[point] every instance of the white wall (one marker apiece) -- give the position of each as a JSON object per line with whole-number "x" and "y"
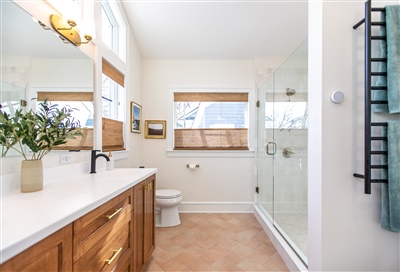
{"x": 133, "y": 141}
{"x": 344, "y": 223}
{"x": 221, "y": 183}
{"x": 46, "y": 72}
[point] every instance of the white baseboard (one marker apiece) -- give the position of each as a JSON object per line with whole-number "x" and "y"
{"x": 215, "y": 207}
{"x": 289, "y": 257}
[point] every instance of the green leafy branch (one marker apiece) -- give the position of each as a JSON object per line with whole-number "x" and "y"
{"x": 40, "y": 131}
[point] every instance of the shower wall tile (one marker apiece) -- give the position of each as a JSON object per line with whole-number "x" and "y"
{"x": 290, "y": 181}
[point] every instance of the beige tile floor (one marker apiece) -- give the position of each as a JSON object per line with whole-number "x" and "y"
{"x": 215, "y": 242}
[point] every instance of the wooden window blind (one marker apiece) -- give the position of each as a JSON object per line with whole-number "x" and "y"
{"x": 79, "y": 143}
{"x": 211, "y": 97}
{"x": 112, "y": 131}
{"x": 111, "y": 137}
{"x": 210, "y": 138}
{"x": 113, "y": 73}
{"x": 65, "y": 96}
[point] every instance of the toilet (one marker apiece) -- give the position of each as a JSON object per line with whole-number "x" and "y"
{"x": 167, "y": 202}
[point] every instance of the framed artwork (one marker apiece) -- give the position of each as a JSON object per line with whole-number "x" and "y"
{"x": 155, "y": 129}
{"x": 136, "y": 117}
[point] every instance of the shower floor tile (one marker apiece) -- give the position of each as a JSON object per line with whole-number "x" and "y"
{"x": 215, "y": 242}
{"x": 295, "y": 226}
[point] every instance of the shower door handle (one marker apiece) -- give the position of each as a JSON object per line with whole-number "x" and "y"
{"x": 267, "y": 148}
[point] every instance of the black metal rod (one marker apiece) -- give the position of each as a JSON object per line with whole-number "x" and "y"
{"x": 379, "y": 181}
{"x": 378, "y": 9}
{"x": 378, "y": 124}
{"x": 378, "y": 23}
{"x": 358, "y": 24}
{"x": 378, "y": 73}
{"x": 379, "y": 59}
{"x": 378, "y": 87}
{"x": 383, "y": 38}
{"x": 379, "y": 166}
{"x": 379, "y": 102}
{"x": 378, "y": 139}
{"x": 379, "y": 152}
{"x": 358, "y": 175}
{"x": 367, "y": 99}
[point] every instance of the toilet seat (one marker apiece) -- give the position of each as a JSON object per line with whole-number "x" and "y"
{"x": 167, "y": 194}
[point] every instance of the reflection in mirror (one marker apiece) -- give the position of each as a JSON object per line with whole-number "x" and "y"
{"x": 12, "y": 97}
{"x": 33, "y": 59}
{"x": 83, "y": 112}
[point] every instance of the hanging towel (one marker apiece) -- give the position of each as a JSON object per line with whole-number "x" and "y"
{"x": 381, "y": 80}
{"x": 390, "y": 49}
{"x": 393, "y": 54}
{"x": 390, "y": 215}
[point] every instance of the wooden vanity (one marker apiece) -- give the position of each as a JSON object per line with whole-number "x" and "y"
{"x": 118, "y": 235}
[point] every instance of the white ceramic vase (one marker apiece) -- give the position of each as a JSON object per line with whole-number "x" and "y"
{"x": 31, "y": 176}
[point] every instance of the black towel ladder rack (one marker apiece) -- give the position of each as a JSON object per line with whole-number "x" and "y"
{"x": 368, "y": 102}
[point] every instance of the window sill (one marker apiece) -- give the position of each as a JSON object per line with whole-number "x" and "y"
{"x": 211, "y": 153}
{"x": 119, "y": 155}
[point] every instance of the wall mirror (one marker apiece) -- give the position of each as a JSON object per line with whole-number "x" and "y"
{"x": 34, "y": 60}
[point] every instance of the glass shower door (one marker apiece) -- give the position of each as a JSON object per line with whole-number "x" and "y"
{"x": 282, "y": 152}
{"x": 264, "y": 161}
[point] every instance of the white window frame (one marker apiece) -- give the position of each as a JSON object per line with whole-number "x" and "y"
{"x": 210, "y": 153}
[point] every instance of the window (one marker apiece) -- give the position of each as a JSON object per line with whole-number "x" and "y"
{"x": 11, "y": 98}
{"x": 113, "y": 28}
{"x": 286, "y": 115}
{"x": 112, "y": 90}
{"x": 109, "y": 96}
{"x": 107, "y": 29}
{"x": 210, "y": 121}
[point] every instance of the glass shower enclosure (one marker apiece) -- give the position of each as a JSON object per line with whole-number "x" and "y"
{"x": 282, "y": 150}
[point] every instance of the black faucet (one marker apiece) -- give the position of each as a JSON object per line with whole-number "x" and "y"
{"x": 93, "y": 160}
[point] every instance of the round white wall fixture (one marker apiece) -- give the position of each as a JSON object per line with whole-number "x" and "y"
{"x": 337, "y": 97}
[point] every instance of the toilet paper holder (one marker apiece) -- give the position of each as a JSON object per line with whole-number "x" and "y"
{"x": 192, "y": 166}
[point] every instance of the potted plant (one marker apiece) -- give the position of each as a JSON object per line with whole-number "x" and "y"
{"x": 39, "y": 131}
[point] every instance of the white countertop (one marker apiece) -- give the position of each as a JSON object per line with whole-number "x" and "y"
{"x": 27, "y": 218}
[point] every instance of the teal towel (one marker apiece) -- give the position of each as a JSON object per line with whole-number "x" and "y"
{"x": 390, "y": 215}
{"x": 390, "y": 49}
{"x": 393, "y": 52}
{"x": 381, "y": 80}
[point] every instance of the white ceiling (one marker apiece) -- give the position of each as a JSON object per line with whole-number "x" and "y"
{"x": 217, "y": 29}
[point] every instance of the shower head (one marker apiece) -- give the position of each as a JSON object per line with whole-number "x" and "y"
{"x": 290, "y": 92}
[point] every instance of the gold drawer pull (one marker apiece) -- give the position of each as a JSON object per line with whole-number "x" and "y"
{"x": 148, "y": 187}
{"x": 114, "y": 214}
{"x": 116, "y": 252}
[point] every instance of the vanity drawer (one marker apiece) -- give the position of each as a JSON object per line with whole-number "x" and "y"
{"x": 92, "y": 227}
{"x": 111, "y": 250}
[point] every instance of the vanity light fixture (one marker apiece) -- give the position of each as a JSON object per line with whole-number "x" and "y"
{"x": 67, "y": 30}
{"x": 45, "y": 27}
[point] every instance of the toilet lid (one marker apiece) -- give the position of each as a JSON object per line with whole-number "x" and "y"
{"x": 167, "y": 193}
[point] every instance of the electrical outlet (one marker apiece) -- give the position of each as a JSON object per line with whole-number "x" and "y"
{"x": 65, "y": 158}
